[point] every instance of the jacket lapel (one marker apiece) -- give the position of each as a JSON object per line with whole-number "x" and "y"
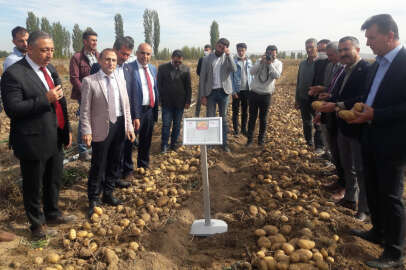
{"x": 34, "y": 77}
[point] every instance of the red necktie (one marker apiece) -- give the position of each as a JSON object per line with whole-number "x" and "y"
{"x": 57, "y": 105}
{"x": 151, "y": 94}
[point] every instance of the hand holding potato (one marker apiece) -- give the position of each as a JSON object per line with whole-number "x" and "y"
{"x": 363, "y": 117}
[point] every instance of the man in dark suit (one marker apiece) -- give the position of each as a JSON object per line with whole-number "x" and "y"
{"x": 348, "y": 87}
{"x": 383, "y": 140}
{"x": 175, "y": 89}
{"x": 144, "y": 101}
{"x": 34, "y": 101}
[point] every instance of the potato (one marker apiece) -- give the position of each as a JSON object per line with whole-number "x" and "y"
{"x": 286, "y": 229}
{"x": 93, "y": 247}
{"x": 322, "y": 265}
{"x": 261, "y": 264}
{"x": 288, "y": 248}
{"x": 347, "y": 115}
{"x": 72, "y": 234}
{"x": 282, "y": 266}
{"x": 324, "y": 215}
{"x": 102, "y": 232}
{"x": 87, "y": 226}
{"x": 317, "y": 256}
{"x": 66, "y": 243}
{"x": 110, "y": 256}
{"x": 253, "y": 210}
{"x": 278, "y": 238}
{"x": 162, "y": 201}
{"x": 53, "y": 258}
{"x": 302, "y": 266}
{"x": 261, "y": 254}
{"x": 336, "y": 237}
{"x": 98, "y": 210}
{"x": 284, "y": 219}
{"x": 134, "y": 246}
{"x": 358, "y": 107}
{"x": 69, "y": 267}
{"x": 124, "y": 222}
{"x": 82, "y": 234}
{"x": 264, "y": 242}
{"x": 85, "y": 253}
{"x": 301, "y": 255}
{"x": 317, "y": 104}
{"x": 306, "y": 244}
{"x": 270, "y": 262}
{"x": 260, "y": 232}
{"x": 270, "y": 229}
{"x": 95, "y": 218}
{"x": 330, "y": 259}
{"x": 38, "y": 260}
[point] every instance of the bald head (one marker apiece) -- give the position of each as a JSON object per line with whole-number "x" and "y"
{"x": 144, "y": 53}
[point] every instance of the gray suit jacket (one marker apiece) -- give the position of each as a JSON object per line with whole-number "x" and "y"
{"x": 206, "y": 74}
{"x": 94, "y": 109}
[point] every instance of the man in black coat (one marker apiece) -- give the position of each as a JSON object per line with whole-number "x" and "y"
{"x": 33, "y": 99}
{"x": 383, "y": 140}
{"x": 175, "y": 90}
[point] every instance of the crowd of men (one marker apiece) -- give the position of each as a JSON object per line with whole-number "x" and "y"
{"x": 119, "y": 99}
{"x": 368, "y": 150}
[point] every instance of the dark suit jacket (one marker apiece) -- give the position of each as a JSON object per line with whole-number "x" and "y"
{"x": 34, "y": 134}
{"x": 135, "y": 94}
{"x": 319, "y": 71}
{"x": 386, "y": 134}
{"x": 199, "y": 66}
{"x": 175, "y": 88}
{"x": 353, "y": 89}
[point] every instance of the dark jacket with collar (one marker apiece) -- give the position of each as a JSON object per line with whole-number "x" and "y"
{"x": 387, "y": 132}
{"x": 135, "y": 92}
{"x": 174, "y": 86}
{"x": 34, "y": 134}
{"x": 79, "y": 67}
{"x": 353, "y": 89}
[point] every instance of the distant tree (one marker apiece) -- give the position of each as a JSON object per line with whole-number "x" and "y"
{"x": 282, "y": 55}
{"x": 148, "y": 26}
{"x": 77, "y": 42}
{"x": 292, "y": 55}
{"x": 300, "y": 55}
{"x": 118, "y": 25}
{"x": 32, "y": 22}
{"x": 46, "y": 26}
{"x": 164, "y": 54}
{"x": 157, "y": 32}
{"x": 58, "y": 35}
{"x": 4, "y": 54}
{"x": 214, "y": 33}
{"x": 67, "y": 40}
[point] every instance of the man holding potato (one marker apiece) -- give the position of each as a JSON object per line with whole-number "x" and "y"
{"x": 383, "y": 140}
{"x": 348, "y": 87}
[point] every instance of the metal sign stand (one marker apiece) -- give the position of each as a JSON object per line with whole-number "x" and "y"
{"x": 206, "y": 226}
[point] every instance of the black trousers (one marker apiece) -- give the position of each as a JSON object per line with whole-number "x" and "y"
{"x": 105, "y": 164}
{"x": 242, "y": 99}
{"x": 384, "y": 186}
{"x": 45, "y": 176}
{"x": 145, "y": 136}
{"x": 127, "y": 164}
{"x": 258, "y": 103}
{"x": 307, "y": 113}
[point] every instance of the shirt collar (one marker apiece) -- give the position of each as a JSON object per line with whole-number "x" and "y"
{"x": 17, "y": 52}
{"x": 390, "y": 55}
{"x": 111, "y": 76}
{"x": 139, "y": 64}
{"x": 32, "y": 63}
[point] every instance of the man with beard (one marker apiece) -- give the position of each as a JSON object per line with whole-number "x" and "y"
{"x": 20, "y": 37}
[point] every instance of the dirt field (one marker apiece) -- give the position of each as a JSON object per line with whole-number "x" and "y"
{"x": 279, "y": 185}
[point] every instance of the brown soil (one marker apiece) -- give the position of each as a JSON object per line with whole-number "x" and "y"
{"x": 236, "y": 182}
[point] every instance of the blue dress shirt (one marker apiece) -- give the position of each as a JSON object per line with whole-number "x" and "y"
{"x": 15, "y": 56}
{"x": 384, "y": 64}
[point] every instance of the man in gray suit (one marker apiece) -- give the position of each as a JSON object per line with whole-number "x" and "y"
{"x": 215, "y": 83}
{"x": 105, "y": 122}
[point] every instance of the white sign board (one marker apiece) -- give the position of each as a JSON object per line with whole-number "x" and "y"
{"x": 202, "y": 131}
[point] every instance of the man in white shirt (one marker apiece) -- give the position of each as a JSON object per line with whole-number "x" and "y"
{"x": 105, "y": 122}
{"x": 144, "y": 101}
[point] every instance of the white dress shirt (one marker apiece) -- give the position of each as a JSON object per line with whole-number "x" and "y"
{"x": 40, "y": 74}
{"x": 114, "y": 84}
{"x": 144, "y": 84}
{"x": 216, "y": 73}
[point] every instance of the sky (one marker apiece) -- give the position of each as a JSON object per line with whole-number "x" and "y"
{"x": 258, "y": 23}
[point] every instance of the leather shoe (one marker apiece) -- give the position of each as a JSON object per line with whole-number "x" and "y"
{"x": 347, "y": 204}
{"x": 249, "y": 142}
{"x": 41, "y": 232}
{"x": 164, "y": 149}
{"x": 61, "y": 220}
{"x": 339, "y": 195}
{"x": 385, "y": 262}
{"x": 260, "y": 142}
{"x": 361, "y": 216}
{"x": 85, "y": 156}
{"x": 370, "y": 236}
{"x": 226, "y": 148}
{"x": 6, "y": 236}
{"x": 122, "y": 184}
{"x": 174, "y": 147}
{"x": 332, "y": 186}
{"x": 111, "y": 200}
